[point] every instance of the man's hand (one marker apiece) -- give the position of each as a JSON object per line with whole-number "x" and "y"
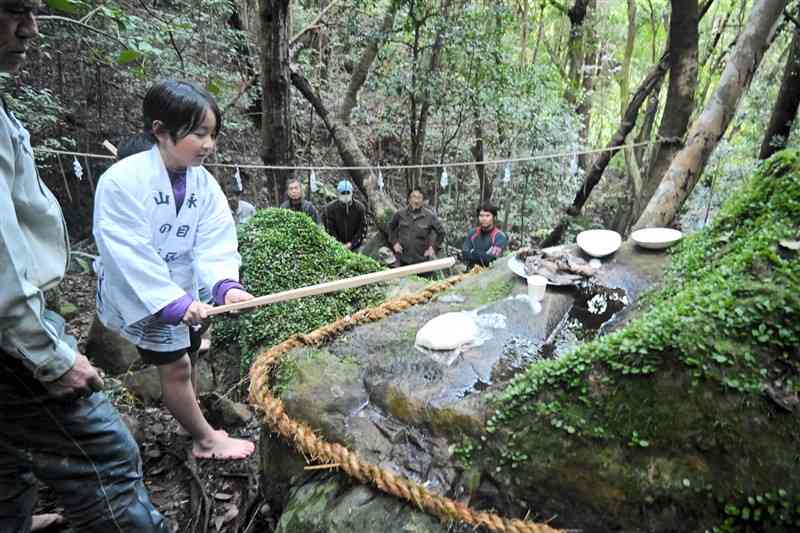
{"x": 197, "y": 312}
{"x": 429, "y": 252}
{"x": 80, "y": 381}
{"x": 398, "y": 248}
{"x": 348, "y": 245}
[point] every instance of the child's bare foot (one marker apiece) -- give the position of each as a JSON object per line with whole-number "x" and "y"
{"x": 45, "y": 521}
{"x": 221, "y": 446}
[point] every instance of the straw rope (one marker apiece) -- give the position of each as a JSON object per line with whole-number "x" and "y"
{"x": 310, "y": 445}
{"x": 488, "y": 162}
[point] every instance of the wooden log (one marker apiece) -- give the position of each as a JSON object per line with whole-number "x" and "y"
{"x": 338, "y": 285}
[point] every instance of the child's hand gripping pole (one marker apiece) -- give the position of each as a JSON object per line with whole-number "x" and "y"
{"x": 338, "y": 285}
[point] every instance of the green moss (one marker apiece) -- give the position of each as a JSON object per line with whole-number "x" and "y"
{"x": 289, "y": 367}
{"x": 448, "y": 421}
{"x": 312, "y": 367}
{"x": 774, "y": 510}
{"x": 490, "y": 288}
{"x": 284, "y": 250}
{"x": 401, "y": 406}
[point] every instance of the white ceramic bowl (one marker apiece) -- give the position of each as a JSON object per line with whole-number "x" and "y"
{"x": 656, "y": 238}
{"x": 599, "y": 242}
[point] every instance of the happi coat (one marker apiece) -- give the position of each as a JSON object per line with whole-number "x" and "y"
{"x": 150, "y": 255}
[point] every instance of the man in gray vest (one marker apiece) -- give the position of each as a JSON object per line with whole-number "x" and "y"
{"x": 295, "y": 201}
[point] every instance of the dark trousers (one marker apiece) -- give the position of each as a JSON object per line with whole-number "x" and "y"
{"x": 80, "y": 448}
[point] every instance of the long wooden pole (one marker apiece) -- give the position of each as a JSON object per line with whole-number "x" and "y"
{"x": 338, "y": 285}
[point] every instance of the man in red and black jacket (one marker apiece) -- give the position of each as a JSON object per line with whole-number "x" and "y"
{"x": 485, "y": 243}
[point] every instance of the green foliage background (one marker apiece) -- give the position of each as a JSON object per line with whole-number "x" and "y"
{"x": 283, "y": 250}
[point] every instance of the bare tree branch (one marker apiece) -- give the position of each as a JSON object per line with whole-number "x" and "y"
{"x": 56, "y": 18}
{"x": 314, "y": 24}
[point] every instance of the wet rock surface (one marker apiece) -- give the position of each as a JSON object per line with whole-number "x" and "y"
{"x": 405, "y": 408}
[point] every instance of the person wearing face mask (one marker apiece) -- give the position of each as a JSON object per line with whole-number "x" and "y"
{"x": 346, "y": 218}
{"x": 484, "y": 244}
{"x": 295, "y": 201}
{"x": 415, "y": 233}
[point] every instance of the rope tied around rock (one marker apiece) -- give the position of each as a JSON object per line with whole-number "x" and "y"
{"x": 309, "y": 444}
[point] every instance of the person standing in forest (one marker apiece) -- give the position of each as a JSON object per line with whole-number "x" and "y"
{"x": 415, "y": 233}
{"x": 241, "y": 210}
{"x": 485, "y": 243}
{"x": 346, "y": 218}
{"x": 165, "y": 233}
{"x": 295, "y": 201}
{"x": 133, "y": 145}
{"x": 55, "y": 424}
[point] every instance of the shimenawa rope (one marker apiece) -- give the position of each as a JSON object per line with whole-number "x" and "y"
{"x": 305, "y": 440}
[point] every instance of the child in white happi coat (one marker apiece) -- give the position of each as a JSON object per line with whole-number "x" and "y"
{"x": 164, "y": 232}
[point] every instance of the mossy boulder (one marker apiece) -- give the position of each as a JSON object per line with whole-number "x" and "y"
{"x": 409, "y": 410}
{"x": 687, "y": 418}
{"x": 283, "y": 250}
{"x": 329, "y": 504}
{"x": 684, "y": 418}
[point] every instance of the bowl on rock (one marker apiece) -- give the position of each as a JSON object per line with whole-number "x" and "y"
{"x": 656, "y": 238}
{"x": 599, "y": 242}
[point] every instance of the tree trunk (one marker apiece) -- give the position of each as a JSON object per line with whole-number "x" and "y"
{"x": 276, "y": 131}
{"x": 683, "y": 39}
{"x": 687, "y": 166}
{"x": 422, "y": 101}
{"x": 581, "y": 56}
{"x": 379, "y": 203}
{"x": 646, "y": 129}
{"x": 785, "y": 110}
{"x": 625, "y": 71}
{"x": 347, "y": 145}
{"x": 598, "y": 167}
{"x": 485, "y": 189}
{"x": 362, "y": 69}
{"x": 633, "y": 172}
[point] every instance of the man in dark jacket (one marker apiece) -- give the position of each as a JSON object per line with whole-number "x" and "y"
{"x": 345, "y": 218}
{"x": 415, "y": 233}
{"x": 295, "y": 201}
{"x": 485, "y": 243}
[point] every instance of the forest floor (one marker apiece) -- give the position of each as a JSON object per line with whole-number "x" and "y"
{"x": 206, "y": 496}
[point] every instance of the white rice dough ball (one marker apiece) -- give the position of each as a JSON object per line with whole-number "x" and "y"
{"x": 448, "y": 331}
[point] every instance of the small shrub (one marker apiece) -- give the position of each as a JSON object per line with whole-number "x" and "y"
{"x": 283, "y": 250}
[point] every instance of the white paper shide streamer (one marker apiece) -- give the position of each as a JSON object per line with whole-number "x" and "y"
{"x": 380, "y": 180}
{"x": 507, "y": 174}
{"x": 237, "y": 176}
{"x": 445, "y": 179}
{"x": 77, "y": 168}
{"x": 313, "y": 181}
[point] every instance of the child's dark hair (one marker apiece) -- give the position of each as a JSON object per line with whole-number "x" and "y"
{"x": 180, "y": 106}
{"x": 486, "y": 206}
{"x": 134, "y": 144}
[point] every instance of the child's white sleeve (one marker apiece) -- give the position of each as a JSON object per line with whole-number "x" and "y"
{"x": 216, "y": 249}
{"x": 139, "y": 279}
